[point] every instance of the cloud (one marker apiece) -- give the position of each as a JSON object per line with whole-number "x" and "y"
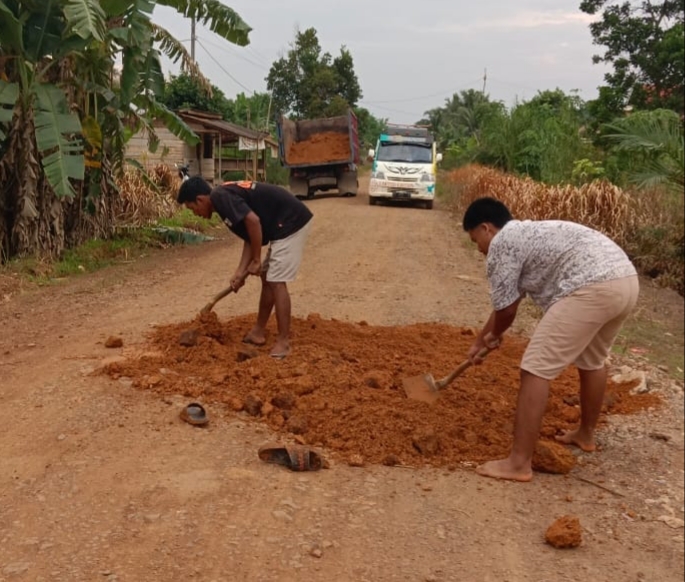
{"x": 523, "y": 20}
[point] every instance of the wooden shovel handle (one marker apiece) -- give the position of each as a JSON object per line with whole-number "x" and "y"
{"x": 220, "y": 295}
{"x": 460, "y": 370}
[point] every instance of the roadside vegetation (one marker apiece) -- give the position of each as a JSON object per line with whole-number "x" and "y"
{"x": 67, "y": 112}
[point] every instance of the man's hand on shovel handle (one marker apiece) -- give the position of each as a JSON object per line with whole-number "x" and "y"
{"x": 490, "y": 341}
{"x": 238, "y": 281}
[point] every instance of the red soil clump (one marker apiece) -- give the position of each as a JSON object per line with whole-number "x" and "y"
{"x": 341, "y": 388}
{"x": 565, "y": 532}
{"x": 320, "y": 149}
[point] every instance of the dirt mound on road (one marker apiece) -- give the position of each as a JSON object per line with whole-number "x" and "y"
{"x": 320, "y": 148}
{"x": 341, "y": 388}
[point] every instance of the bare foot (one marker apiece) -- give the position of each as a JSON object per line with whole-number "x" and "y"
{"x": 503, "y": 469}
{"x": 256, "y": 338}
{"x": 280, "y": 350}
{"x": 575, "y": 437}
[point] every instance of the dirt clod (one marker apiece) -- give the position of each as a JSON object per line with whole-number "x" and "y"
{"x": 245, "y": 354}
{"x": 378, "y": 379}
{"x": 253, "y": 404}
{"x": 284, "y": 401}
{"x": 189, "y": 338}
{"x": 114, "y": 342}
{"x": 355, "y": 461}
{"x": 426, "y": 442}
{"x": 391, "y": 461}
{"x": 297, "y": 424}
{"x": 565, "y": 532}
{"x": 551, "y": 457}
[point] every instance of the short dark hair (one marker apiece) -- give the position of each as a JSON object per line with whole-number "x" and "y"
{"x": 485, "y": 210}
{"x": 192, "y": 188}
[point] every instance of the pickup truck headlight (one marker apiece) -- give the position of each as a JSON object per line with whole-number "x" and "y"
{"x": 378, "y": 175}
{"x": 427, "y": 177}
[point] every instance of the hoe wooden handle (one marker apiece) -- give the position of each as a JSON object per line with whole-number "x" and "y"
{"x": 220, "y": 295}
{"x": 440, "y": 384}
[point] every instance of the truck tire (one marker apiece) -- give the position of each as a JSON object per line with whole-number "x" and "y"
{"x": 373, "y": 201}
{"x": 348, "y": 184}
{"x": 299, "y": 187}
{"x": 428, "y": 205}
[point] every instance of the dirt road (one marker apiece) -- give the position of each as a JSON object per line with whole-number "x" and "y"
{"x": 102, "y": 482}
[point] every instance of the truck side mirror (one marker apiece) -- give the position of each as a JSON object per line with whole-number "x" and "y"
{"x": 438, "y": 158}
{"x": 371, "y": 154}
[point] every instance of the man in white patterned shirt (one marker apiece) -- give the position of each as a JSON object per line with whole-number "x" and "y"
{"x": 587, "y": 287}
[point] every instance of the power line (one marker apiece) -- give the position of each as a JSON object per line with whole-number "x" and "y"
{"x": 211, "y": 56}
{"x": 392, "y": 110}
{"x": 420, "y": 97}
{"x": 234, "y": 53}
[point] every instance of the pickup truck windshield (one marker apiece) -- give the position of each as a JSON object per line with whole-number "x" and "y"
{"x": 407, "y": 153}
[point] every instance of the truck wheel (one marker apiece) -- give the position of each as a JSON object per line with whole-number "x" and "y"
{"x": 428, "y": 205}
{"x": 372, "y": 201}
{"x": 310, "y": 194}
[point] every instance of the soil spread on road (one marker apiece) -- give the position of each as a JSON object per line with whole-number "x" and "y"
{"x": 320, "y": 148}
{"x": 341, "y": 387}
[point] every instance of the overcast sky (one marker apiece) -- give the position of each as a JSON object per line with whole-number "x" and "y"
{"x": 411, "y": 55}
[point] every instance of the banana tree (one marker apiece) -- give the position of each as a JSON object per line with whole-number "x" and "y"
{"x": 59, "y": 92}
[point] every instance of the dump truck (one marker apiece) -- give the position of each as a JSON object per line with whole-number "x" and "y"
{"x": 404, "y": 166}
{"x": 321, "y": 154}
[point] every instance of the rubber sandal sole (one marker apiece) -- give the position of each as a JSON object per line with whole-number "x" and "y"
{"x": 194, "y": 414}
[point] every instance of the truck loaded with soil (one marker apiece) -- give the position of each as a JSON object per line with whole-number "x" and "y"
{"x": 321, "y": 154}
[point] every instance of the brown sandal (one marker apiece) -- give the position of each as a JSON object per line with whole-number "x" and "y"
{"x": 295, "y": 457}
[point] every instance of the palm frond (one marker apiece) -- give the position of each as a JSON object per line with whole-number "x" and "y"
{"x": 175, "y": 50}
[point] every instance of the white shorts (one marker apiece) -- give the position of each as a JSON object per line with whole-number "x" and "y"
{"x": 285, "y": 255}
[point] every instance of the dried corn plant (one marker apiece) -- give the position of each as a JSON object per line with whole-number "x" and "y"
{"x": 599, "y": 205}
{"x": 145, "y": 199}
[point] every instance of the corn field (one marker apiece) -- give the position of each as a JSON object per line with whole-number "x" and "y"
{"x": 642, "y": 223}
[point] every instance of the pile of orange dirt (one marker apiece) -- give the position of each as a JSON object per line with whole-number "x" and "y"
{"x": 320, "y": 149}
{"x": 341, "y": 388}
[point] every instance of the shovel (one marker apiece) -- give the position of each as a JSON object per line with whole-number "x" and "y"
{"x": 426, "y": 389}
{"x": 220, "y": 295}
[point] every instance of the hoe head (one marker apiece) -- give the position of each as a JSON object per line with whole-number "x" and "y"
{"x": 421, "y": 388}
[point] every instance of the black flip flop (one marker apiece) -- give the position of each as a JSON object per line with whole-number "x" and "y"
{"x": 194, "y": 414}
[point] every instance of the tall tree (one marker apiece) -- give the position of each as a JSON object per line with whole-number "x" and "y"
{"x": 307, "y": 83}
{"x": 644, "y": 44}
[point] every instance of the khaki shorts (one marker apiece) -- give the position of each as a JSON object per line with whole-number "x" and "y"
{"x": 285, "y": 255}
{"x": 580, "y": 328}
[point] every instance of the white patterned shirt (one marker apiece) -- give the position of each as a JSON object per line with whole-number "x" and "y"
{"x": 549, "y": 259}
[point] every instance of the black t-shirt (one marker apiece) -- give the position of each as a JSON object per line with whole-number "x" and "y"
{"x": 280, "y": 213}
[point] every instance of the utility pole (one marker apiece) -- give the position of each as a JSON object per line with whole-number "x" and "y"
{"x": 192, "y": 38}
{"x": 268, "y": 112}
{"x": 485, "y": 80}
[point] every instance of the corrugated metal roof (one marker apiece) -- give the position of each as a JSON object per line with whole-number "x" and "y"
{"x": 226, "y": 128}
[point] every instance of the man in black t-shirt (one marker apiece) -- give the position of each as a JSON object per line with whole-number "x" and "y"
{"x": 260, "y": 214}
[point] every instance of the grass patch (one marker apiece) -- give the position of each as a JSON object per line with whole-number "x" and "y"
{"x": 127, "y": 245}
{"x": 186, "y": 219}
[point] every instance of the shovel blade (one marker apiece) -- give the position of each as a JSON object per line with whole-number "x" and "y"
{"x": 421, "y": 388}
